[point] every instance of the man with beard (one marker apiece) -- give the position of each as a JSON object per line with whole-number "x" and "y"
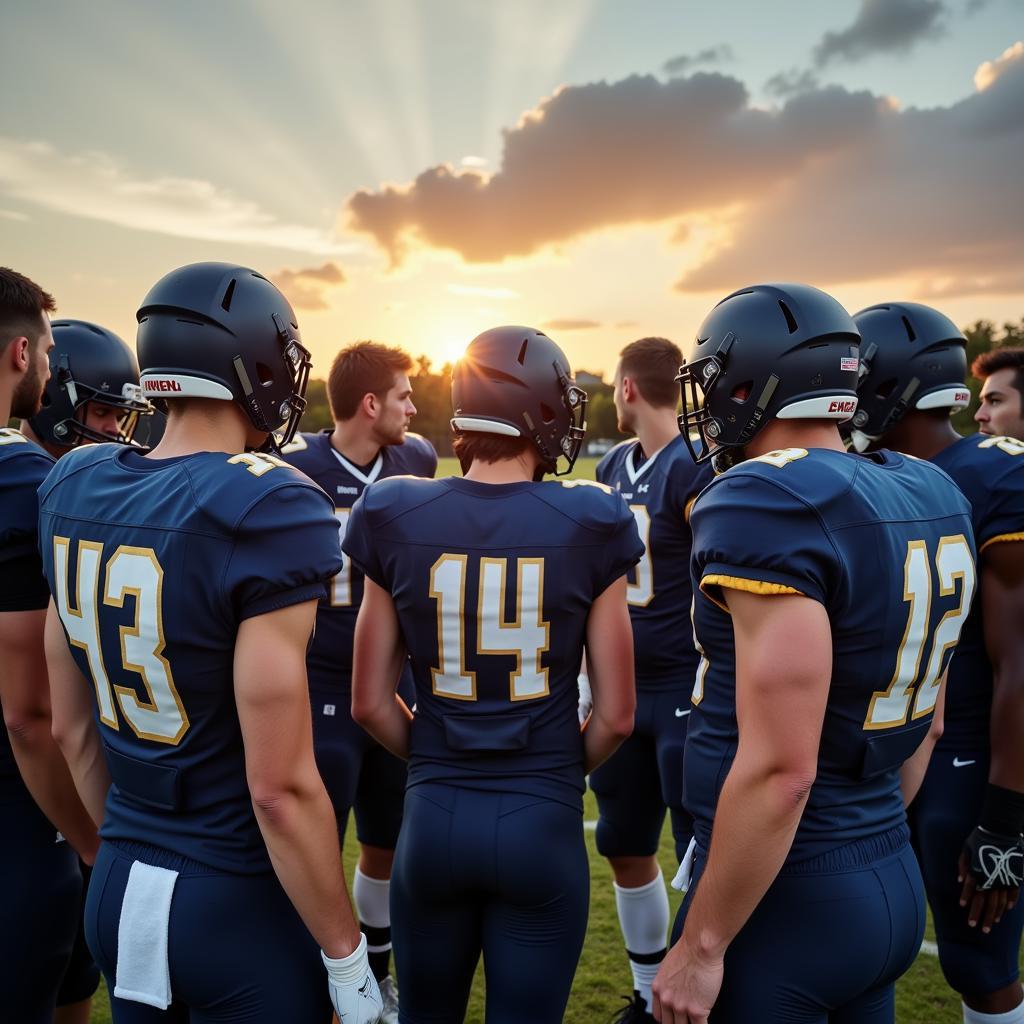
{"x": 37, "y": 796}
{"x": 371, "y": 401}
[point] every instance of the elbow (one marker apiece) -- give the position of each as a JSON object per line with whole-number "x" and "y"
{"x": 27, "y": 728}
{"x": 363, "y": 708}
{"x": 936, "y": 729}
{"x": 791, "y": 784}
{"x": 273, "y": 803}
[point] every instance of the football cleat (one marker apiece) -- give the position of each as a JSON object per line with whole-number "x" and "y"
{"x": 389, "y": 997}
{"x": 634, "y": 1012}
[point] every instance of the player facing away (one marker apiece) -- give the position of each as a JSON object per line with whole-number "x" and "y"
{"x": 185, "y": 584}
{"x": 968, "y": 815}
{"x": 657, "y": 478}
{"x": 830, "y": 589}
{"x": 370, "y": 396}
{"x": 493, "y": 583}
{"x": 42, "y": 883}
{"x": 93, "y": 393}
{"x": 1001, "y": 372}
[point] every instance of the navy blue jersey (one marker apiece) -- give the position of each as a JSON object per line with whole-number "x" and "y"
{"x": 884, "y": 542}
{"x": 153, "y": 564}
{"x": 659, "y": 492}
{"x": 990, "y": 471}
{"x": 23, "y": 467}
{"x": 330, "y": 655}
{"x": 493, "y": 584}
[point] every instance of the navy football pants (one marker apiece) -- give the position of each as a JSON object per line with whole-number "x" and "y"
{"x": 643, "y": 777}
{"x": 357, "y": 771}
{"x": 82, "y": 977}
{"x": 942, "y": 816}
{"x": 238, "y": 951}
{"x": 41, "y": 895}
{"x": 499, "y": 873}
{"x": 828, "y": 941}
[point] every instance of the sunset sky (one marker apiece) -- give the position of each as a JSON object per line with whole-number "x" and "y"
{"x": 416, "y": 171}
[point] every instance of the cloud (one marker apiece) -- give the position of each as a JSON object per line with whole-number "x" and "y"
{"x": 93, "y": 185}
{"x": 988, "y": 72}
{"x": 570, "y": 324}
{"x": 791, "y": 83}
{"x": 882, "y": 26}
{"x": 13, "y": 215}
{"x": 830, "y": 186}
{"x": 487, "y": 293}
{"x": 307, "y": 288}
{"x": 685, "y": 63}
{"x": 474, "y": 161}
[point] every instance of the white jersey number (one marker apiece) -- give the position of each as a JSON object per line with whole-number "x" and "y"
{"x": 953, "y": 561}
{"x": 640, "y": 593}
{"x": 341, "y": 585}
{"x": 130, "y": 572}
{"x": 526, "y": 637}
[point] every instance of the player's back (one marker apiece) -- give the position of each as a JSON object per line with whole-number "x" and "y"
{"x": 330, "y": 654}
{"x": 23, "y": 466}
{"x": 493, "y": 584}
{"x": 154, "y": 564}
{"x": 990, "y": 472}
{"x": 659, "y": 491}
{"x": 884, "y": 542}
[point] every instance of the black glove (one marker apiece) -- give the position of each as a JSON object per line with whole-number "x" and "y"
{"x": 996, "y": 861}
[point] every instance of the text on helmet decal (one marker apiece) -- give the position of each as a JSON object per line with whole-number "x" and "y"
{"x": 842, "y": 405}
{"x": 849, "y": 363}
{"x": 160, "y": 384}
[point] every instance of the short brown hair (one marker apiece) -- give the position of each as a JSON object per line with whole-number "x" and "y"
{"x": 367, "y": 367}
{"x": 475, "y": 446}
{"x": 652, "y": 364}
{"x": 22, "y": 305}
{"x": 997, "y": 359}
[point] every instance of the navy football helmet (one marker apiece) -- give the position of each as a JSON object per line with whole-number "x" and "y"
{"x": 88, "y": 363}
{"x": 773, "y": 351}
{"x": 217, "y": 330}
{"x": 517, "y": 382}
{"x": 911, "y": 357}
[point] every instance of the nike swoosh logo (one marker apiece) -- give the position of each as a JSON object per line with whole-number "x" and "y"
{"x": 680, "y": 713}
{"x": 957, "y": 763}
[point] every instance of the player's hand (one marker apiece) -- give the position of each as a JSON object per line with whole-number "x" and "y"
{"x": 586, "y": 701}
{"x": 687, "y": 986}
{"x": 991, "y": 870}
{"x": 354, "y": 992}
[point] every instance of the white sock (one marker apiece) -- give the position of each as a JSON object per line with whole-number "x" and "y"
{"x": 1014, "y": 1016}
{"x": 643, "y": 918}
{"x": 372, "y": 898}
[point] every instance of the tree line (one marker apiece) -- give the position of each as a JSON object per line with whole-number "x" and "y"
{"x": 432, "y": 392}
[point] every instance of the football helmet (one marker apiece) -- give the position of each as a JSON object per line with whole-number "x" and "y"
{"x": 911, "y": 357}
{"x": 516, "y": 381}
{"x": 88, "y": 363}
{"x": 773, "y": 351}
{"x": 218, "y": 330}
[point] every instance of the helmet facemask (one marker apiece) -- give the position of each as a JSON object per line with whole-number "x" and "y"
{"x": 131, "y": 403}
{"x": 298, "y": 363}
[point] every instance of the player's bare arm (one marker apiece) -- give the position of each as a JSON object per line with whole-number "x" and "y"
{"x": 914, "y": 768}
{"x": 1002, "y": 597}
{"x": 610, "y": 667}
{"x": 25, "y": 694}
{"x": 74, "y": 727}
{"x": 783, "y": 669}
{"x": 291, "y": 805}
{"x": 377, "y": 662}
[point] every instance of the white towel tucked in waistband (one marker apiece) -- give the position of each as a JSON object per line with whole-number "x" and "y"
{"x": 683, "y": 875}
{"x": 143, "y": 974}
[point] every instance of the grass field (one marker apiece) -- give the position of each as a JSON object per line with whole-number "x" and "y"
{"x": 603, "y": 975}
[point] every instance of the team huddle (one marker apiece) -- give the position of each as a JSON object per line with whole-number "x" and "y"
{"x": 788, "y": 617}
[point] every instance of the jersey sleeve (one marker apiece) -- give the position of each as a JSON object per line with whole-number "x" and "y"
{"x": 358, "y": 543}
{"x": 1004, "y": 513}
{"x": 751, "y": 535}
{"x": 286, "y": 550}
{"x": 624, "y": 547}
{"x": 20, "y": 480}
{"x": 22, "y": 584}
{"x": 429, "y": 459}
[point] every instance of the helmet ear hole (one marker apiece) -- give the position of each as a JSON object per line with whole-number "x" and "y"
{"x": 886, "y": 388}
{"x": 741, "y": 392}
{"x": 547, "y": 413}
{"x": 264, "y": 374}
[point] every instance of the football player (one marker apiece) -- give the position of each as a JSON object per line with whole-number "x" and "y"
{"x": 93, "y": 393}
{"x": 493, "y": 583}
{"x": 42, "y": 880}
{"x": 830, "y": 589}
{"x": 970, "y": 807}
{"x": 1001, "y": 371}
{"x": 656, "y": 476}
{"x": 185, "y": 585}
{"x": 371, "y": 401}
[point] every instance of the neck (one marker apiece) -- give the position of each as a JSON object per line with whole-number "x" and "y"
{"x": 215, "y": 427}
{"x": 921, "y": 435}
{"x": 796, "y": 434}
{"x": 353, "y": 439}
{"x": 6, "y": 395}
{"x": 655, "y": 428}
{"x": 506, "y": 471}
